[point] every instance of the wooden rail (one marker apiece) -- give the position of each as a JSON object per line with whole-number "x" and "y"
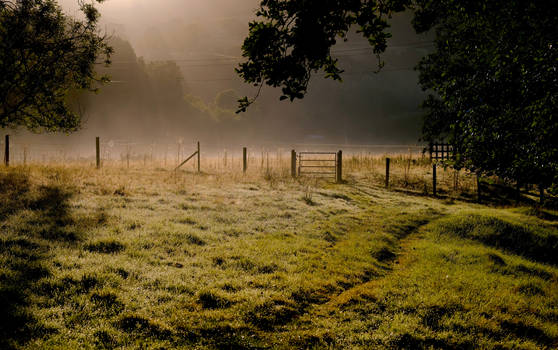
{"x": 317, "y": 164}
{"x": 441, "y": 151}
{"x": 196, "y": 153}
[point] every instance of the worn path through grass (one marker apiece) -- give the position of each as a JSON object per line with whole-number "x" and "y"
{"x": 153, "y": 259}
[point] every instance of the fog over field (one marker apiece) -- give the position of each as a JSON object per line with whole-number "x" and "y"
{"x": 173, "y": 77}
{"x": 140, "y": 210}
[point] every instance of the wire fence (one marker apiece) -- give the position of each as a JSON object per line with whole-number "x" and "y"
{"x": 411, "y": 166}
{"x": 170, "y": 154}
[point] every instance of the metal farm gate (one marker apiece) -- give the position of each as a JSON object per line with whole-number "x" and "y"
{"x": 441, "y": 151}
{"x": 319, "y": 164}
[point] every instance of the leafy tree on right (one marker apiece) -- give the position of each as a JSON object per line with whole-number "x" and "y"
{"x": 492, "y": 77}
{"x": 494, "y": 84}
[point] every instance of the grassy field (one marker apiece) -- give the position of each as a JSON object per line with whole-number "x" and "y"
{"x": 150, "y": 258}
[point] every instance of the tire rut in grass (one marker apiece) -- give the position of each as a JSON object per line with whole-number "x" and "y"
{"x": 537, "y": 243}
{"x": 278, "y": 312}
{"x": 388, "y": 255}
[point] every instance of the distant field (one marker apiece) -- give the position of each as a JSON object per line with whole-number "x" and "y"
{"x": 151, "y": 258}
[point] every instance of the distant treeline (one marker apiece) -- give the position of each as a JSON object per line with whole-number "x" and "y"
{"x": 149, "y": 99}
{"x": 155, "y": 100}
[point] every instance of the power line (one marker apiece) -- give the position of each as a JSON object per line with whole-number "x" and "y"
{"x": 417, "y": 44}
{"x": 230, "y": 64}
{"x": 208, "y": 80}
{"x": 225, "y": 61}
{"x": 369, "y": 73}
{"x": 181, "y": 60}
{"x": 362, "y": 73}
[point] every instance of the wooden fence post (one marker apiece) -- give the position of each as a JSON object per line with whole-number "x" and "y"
{"x": 387, "y": 172}
{"x": 430, "y": 149}
{"x": 541, "y": 195}
{"x": 98, "y": 152}
{"x": 128, "y": 156}
{"x": 434, "y": 190}
{"x": 293, "y": 164}
{"x": 339, "y": 171}
{"x": 479, "y": 192}
{"x": 244, "y": 160}
{"x": 199, "y": 168}
{"x": 7, "y": 151}
{"x": 24, "y": 155}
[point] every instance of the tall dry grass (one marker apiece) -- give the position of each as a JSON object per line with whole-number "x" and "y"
{"x": 408, "y": 171}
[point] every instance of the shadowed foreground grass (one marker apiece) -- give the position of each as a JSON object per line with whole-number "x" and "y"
{"x": 153, "y": 259}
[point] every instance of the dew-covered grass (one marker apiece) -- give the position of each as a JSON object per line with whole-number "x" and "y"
{"x": 151, "y": 258}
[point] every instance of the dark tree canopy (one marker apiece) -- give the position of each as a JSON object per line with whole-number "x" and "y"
{"x": 44, "y": 57}
{"x": 492, "y": 77}
{"x": 494, "y": 84}
{"x": 292, "y": 39}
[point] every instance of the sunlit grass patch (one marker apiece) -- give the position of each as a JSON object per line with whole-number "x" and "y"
{"x": 535, "y": 241}
{"x": 449, "y": 292}
{"x": 141, "y": 257}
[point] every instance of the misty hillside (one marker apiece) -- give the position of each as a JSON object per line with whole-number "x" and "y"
{"x": 411, "y": 204}
{"x": 172, "y": 70}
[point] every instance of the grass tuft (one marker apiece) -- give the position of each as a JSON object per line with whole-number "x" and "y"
{"x": 538, "y": 243}
{"x": 211, "y": 300}
{"x": 105, "y": 247}
{"x": 108, "y": 301}
{"x": 195, "y": 240}
{"x": 272, "y": 313}
{"x": 142, "y": 326}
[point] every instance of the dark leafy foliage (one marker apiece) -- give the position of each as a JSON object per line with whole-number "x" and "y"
{"x": 44, "y": 57}
{"x": 493, "y": 76}
{"x": 292, "y": 39}
{"x": 494, "y": 84}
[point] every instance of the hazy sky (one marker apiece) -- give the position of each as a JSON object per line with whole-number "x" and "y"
{"x": 150, "y": 12}
{"x": 204, "y": 38}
